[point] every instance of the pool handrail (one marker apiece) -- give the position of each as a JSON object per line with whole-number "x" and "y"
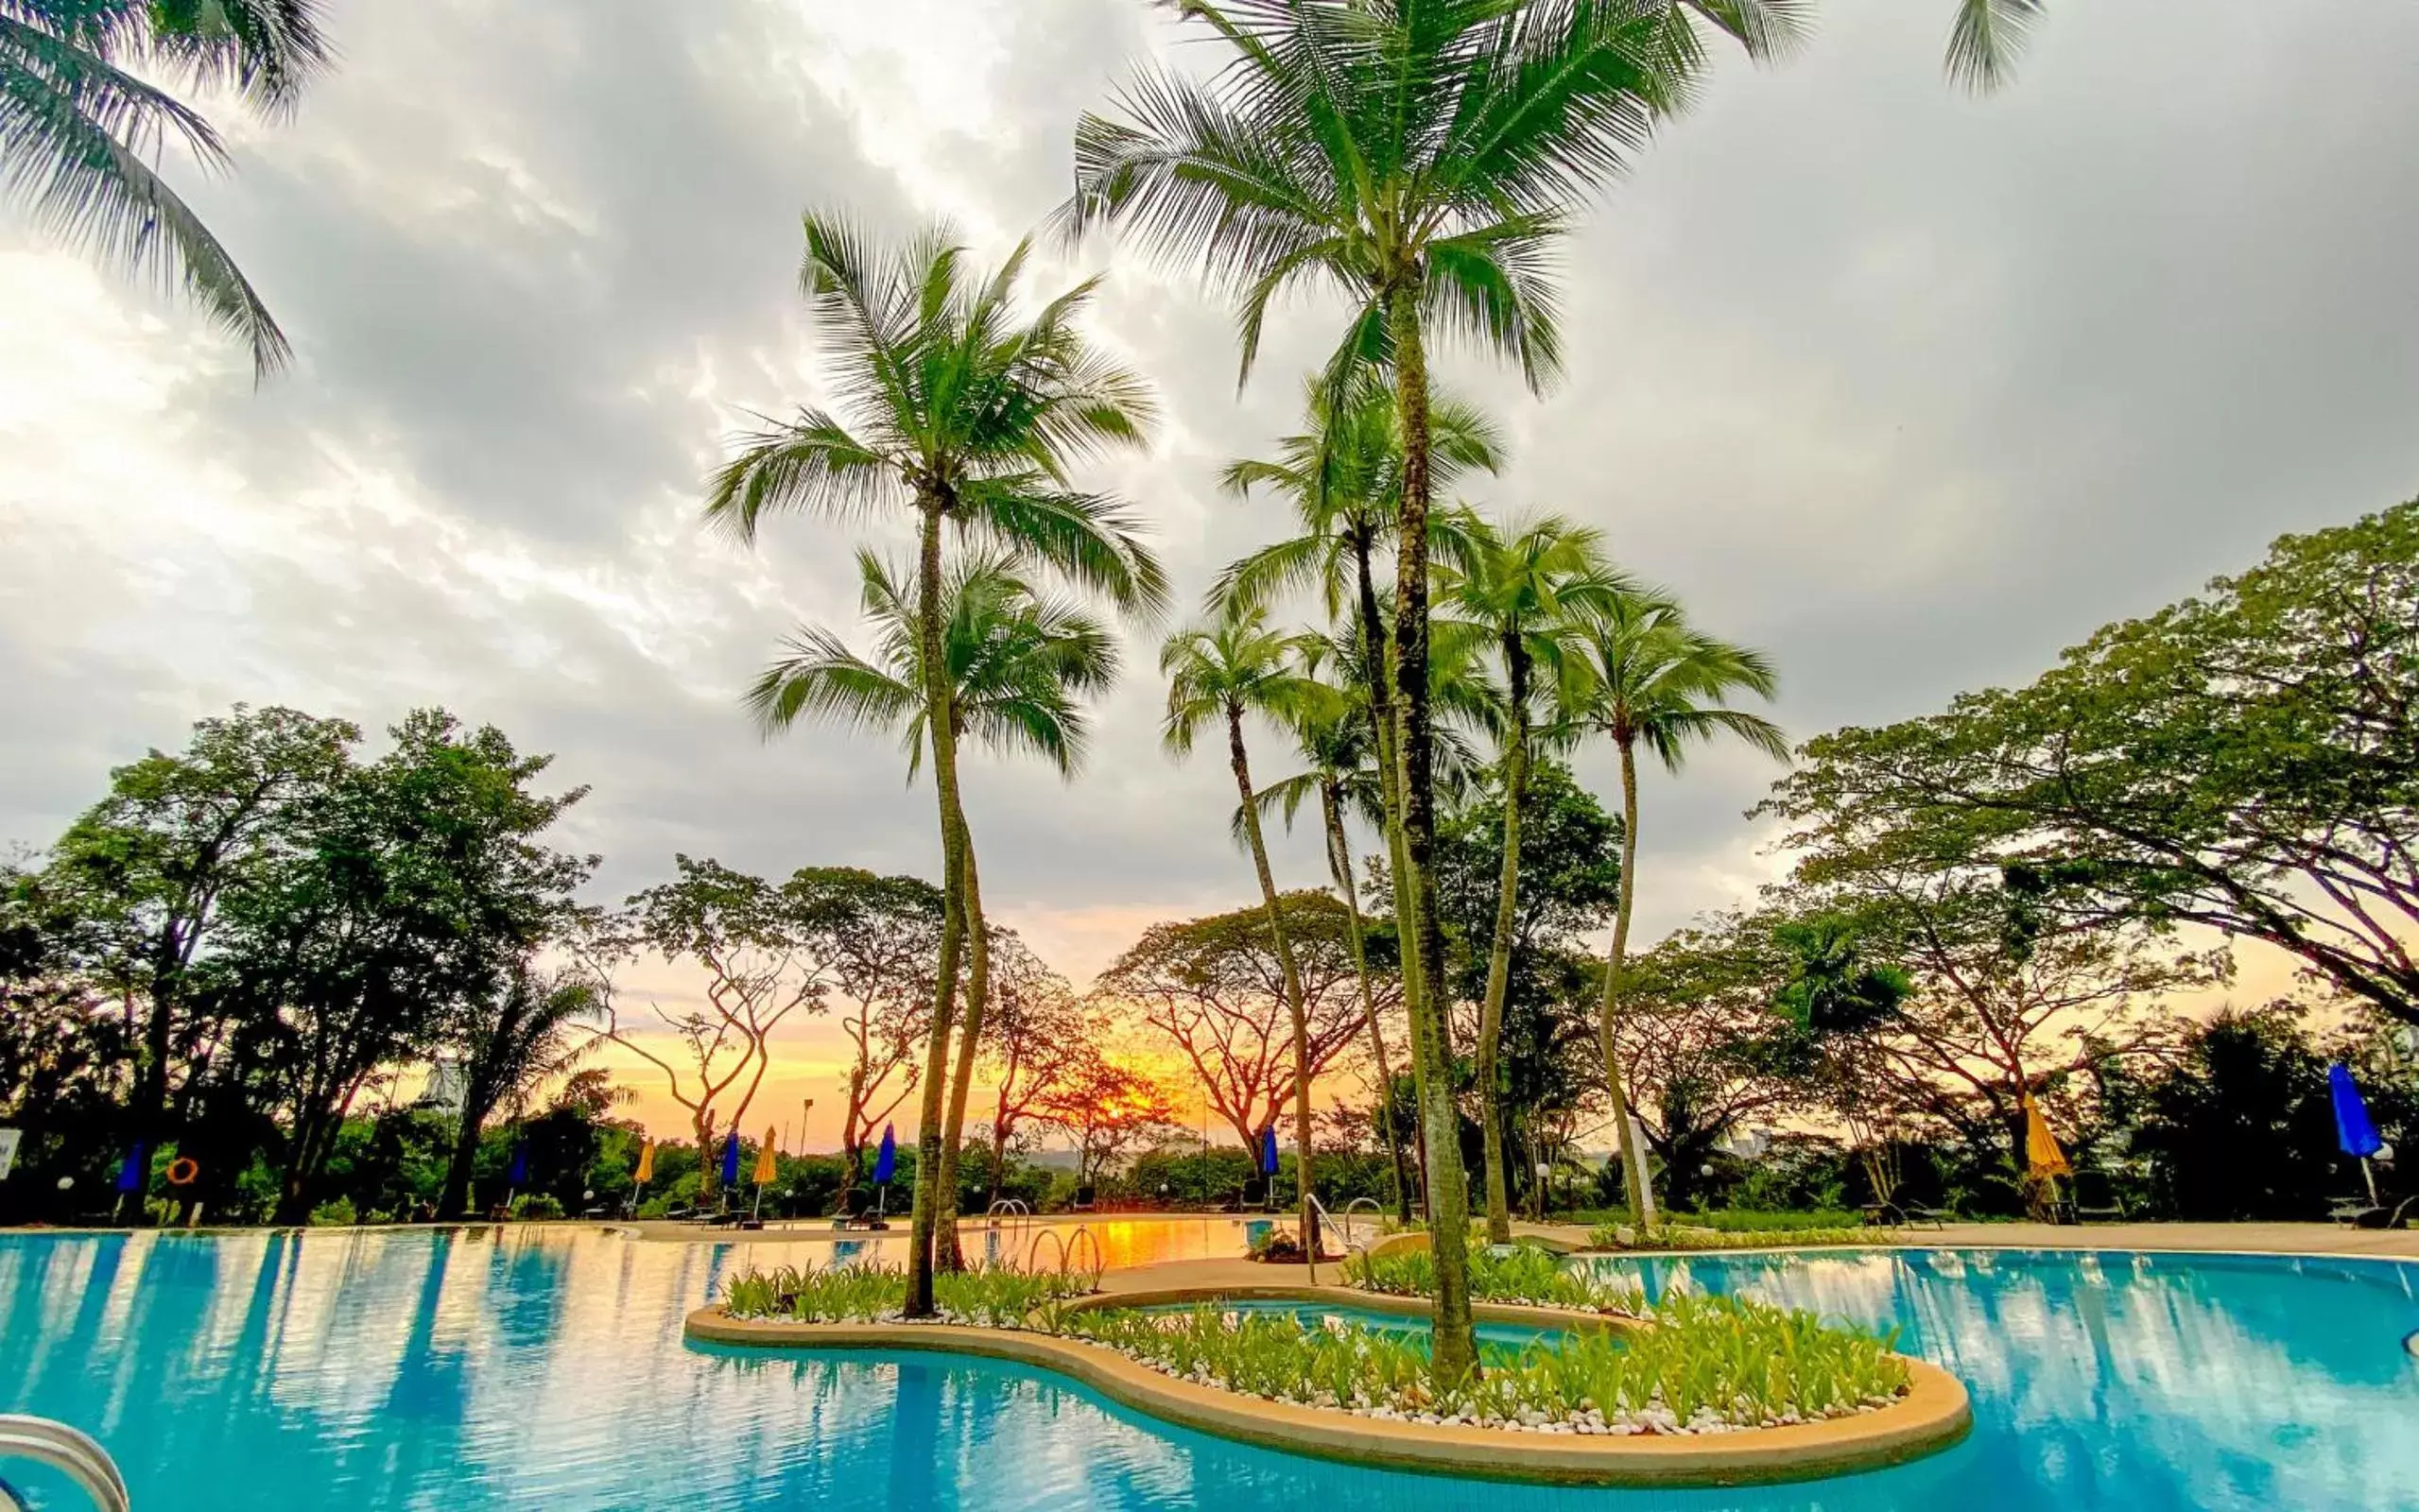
{"x": 1344, "y": 1223}
{"x": 74, "y": 1454}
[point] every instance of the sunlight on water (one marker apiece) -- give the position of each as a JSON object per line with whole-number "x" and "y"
{"x": 546, "y": 1369}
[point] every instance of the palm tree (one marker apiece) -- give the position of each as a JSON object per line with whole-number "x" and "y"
{"x": 81, "y": 133}
{"x": 1520, "y": 590}
{"x": 1423, "y": 157}
{"x": 955, "y": 413}
{"x": 1332, "y": 736}
{"x": 1017, "y": 665}
{"x": 1342, "y": 476}
{"x": 1984, "y": 39}
{"x": 1658, "y": 683}
{"x": 1219, "y": 673}
{"x": 525, "y": 1034}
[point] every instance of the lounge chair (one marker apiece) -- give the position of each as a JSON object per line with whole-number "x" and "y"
{"x": 2353, "y": 1214}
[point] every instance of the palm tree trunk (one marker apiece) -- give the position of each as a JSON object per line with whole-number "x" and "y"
{"x": 1292, "y": 983}
{"x": 1339, "y": 862}
{"x": 1633, "y": 1176}
{"x": 1380, "y": 656}
{"x": 969, "y": 1045}
{"x": 1515, "y": 784}
{"x": 940, "y": 723}
{"x": 1455, "y": 1348}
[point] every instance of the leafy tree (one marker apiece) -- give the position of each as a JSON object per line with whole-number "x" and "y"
{"x": 878, "y": 940}
{"x": 1661, "y": 684}
{"x": 2241, "y": 1126}
{"x": 1519, "y": 591}
{"x": 745, "y": 936}
{"x": 1567, "y": 884}
{"x": 82, "y": 124}
{"x": 151, "y": 866}
{"x": 419, "y": 879}
{"x": 1420, "y": 157}
{"x": 1036, "y": 1039}
{"x": 2246, "y": 760}
{"x": 1107, "y": 1109}
{"x": 1017, "y": 667}
{"x": 1217, "y": 674}
{"x": 1215, "y": 990}
{"x": 1837, "y": 997}
{"x": 1702, "y": 1048}
{"x": 957, "y": 414}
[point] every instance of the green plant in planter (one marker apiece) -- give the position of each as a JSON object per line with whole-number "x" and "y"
{"x": 1707, "y": 1362}
{"x": 1524, "y": 1275}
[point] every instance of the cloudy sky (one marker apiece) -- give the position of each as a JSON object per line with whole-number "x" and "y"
{"x": 1909, "y": 388}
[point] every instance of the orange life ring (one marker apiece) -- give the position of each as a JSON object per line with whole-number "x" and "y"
{"x": 181, "y": 1171}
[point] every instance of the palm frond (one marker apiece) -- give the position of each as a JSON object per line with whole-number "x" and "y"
{"x": 1986, "y": 38}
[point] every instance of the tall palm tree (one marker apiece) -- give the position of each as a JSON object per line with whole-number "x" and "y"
{"x": 1342, "y": 476}
{"x": 1018, "y": 665}
{"x": 1217, "y": 674}
{"x": 955, "y": 412}
{"x": 1521, "y": 590}
{"x": 1656, "y": 683}
{"x": 1332, "y": 736}
{"x": 81, "y": 133}
{"x": 1423, "y": 157}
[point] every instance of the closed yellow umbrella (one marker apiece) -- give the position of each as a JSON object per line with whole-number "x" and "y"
{"x": 646, "y": 1163}
{"x": 766, "y": 1170}
{"x": 2042, "y": 1156}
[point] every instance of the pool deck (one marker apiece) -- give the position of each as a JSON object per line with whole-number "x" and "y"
{"x": 2240, "y": 1238}
{"x": 2235, "y": 1238}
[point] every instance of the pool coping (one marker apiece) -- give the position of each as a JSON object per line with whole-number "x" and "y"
{"x": 1933, "y": 1414}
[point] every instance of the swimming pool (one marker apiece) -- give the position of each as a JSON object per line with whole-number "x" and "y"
{"x": 1123, "y": 1240}
{"x": 477, "y": 1370}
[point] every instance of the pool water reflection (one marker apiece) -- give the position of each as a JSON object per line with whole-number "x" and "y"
{"x": 526, "y": 1368}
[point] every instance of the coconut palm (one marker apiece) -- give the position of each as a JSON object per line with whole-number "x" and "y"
{"x": 1423, "y": 157}
{"x": 1220, "y": 672}
{"x": 1332, "y": 737}
{"x": 1018, "y": 665}
{"x": 82, "y": 125}
{"x": 1657, "y": 683}
{"x": 953, "y": 412}
{"x": 1342, "y": 476}
{"x": 1521, "y": 590}
{"x": 1984, "y": 39}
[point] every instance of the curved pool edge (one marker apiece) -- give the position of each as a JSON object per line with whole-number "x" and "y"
{"x": 1934, "y": 1414}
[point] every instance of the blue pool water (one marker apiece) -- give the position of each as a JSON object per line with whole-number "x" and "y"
{"x": 1507, "y": 1338}
{"x": 546, "y": 1370}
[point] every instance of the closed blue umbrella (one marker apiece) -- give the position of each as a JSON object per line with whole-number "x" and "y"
{"x": 731, "y": 1160}
{"x": 520, "y": 1173}
{"x": 2353, "y": 1129}
{"x": 1268, "y": 1151}
{"x": 886, "y": 1167}
{"x": 134, "y": 1169}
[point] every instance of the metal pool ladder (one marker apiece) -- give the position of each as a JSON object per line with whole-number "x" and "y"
{"x": 64, "y": 1449}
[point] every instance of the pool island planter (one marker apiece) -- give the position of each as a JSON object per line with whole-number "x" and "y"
{"x": 1933, "y": 1414}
